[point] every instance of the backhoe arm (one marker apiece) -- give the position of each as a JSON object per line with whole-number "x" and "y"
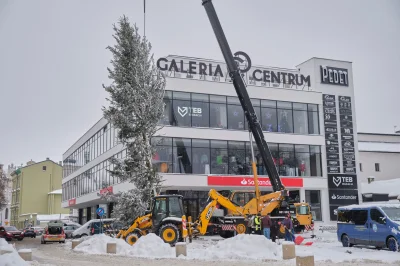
{"x": 267, "y": 203}
{"x": 206, "y": 214}
{"x": 142, "y": 222}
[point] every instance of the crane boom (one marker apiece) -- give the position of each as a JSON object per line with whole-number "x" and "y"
{"x": 240, "y": 87}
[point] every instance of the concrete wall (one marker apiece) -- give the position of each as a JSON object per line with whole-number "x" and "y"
{"x": 379, "y": 137}
{"x": 389, "y": 164}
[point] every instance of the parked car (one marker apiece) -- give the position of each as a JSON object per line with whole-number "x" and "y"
{"x": 54, "y": 232}
{"x": 30, "y": 232}
{"x": 89, "y": 228}
{"x": 68, "y": 229}
{"x": 38, "y": 230}
{"x": 10, "y": 232}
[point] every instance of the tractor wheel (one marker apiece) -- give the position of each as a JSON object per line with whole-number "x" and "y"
{"x": 132, "y": 238}
{"x": 240, "y": 228}
{"x": 169, "y": 233}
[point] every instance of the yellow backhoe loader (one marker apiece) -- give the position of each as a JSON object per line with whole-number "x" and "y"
{"x": 166, "y": 219}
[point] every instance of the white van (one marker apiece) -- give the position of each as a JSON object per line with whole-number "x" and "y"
{"x": 86, "y": 229}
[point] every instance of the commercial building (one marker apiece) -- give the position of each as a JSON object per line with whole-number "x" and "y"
{"x": 307, "y": 115}
{"x": 36, "y": 190}
{"x": 379, "y": 156}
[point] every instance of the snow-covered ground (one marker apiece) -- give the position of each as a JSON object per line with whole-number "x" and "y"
{"x": 240, "y": 250}
{"x": 12, "y": 258}
{"x": 325, "y": 248}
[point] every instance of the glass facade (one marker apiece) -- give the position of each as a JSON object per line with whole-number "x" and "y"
{"x": 199, "y": 156}
{"x": 186, "y": 109}
{"x": 92, "y": 180}
{"x": 99, "y": 143}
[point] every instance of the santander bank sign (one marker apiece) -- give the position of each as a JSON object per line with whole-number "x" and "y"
{"x": 247, "y": 181}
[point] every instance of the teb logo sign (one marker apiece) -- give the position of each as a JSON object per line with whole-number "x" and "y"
{"x": 342, "y": 181}
{"x": 191, "y": 111}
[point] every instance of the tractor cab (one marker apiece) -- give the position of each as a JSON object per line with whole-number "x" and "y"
{"x": 168, "y": 218}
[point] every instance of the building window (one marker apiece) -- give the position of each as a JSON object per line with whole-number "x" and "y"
{"x": 361, "y": 167}
{"x": 313, "y": 119}
{"x": 200, "y": 110}
{"x": 302, "y": 160}
{"x": 315, "y": 161}
{"x": 235, "y": 114}
{"x": 182, "y": 155}
{"x": 313, "y": 198}
{"x": 182, "y": 110}
{"x": 286, "y": 160}
{"x": 163, "y": 157}
{"x": 269, "y": 116}
{"x": 300, "y": 118}
{"x": 238, "y": 161}
{"x": 44, "y": 167}
{"x": 201, "y": 156}
{"x": 218, "y": 115}
{"x": 167, "y": 118}
{"x": 377, "y": 167}
{"x": 219, "y": 157}
{"x": 285, "y": 117}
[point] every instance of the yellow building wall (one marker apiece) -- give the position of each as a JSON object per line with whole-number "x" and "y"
{"x": 54, "y": 205}
{"x": 36, "y": 183}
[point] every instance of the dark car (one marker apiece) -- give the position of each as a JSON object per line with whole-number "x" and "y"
{"x": 30, "y": 232}
{"x": 10, "y": 232}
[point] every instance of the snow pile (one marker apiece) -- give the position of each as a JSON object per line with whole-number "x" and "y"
{"x": 149, "y": 246}
{"x": 253, "y": 247}
{"x": 10, "y": 259}
{"x": 152, "y": 246}
{"x": 326, "y": 247}
{"x": 97, "y": 244}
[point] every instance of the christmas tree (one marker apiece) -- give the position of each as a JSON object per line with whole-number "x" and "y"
{"x": 135, "y": 107}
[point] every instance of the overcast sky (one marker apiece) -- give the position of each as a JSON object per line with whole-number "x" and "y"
{"x": 53, "y": 59}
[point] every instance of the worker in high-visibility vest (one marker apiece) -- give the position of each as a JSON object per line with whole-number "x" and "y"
{"x": 257, "y": 222}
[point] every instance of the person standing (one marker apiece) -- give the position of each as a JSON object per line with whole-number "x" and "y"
{"x": 266, "y": 223}
{"x": 257, "y": 221}
{"x": 287, "y": 222}
{"x": 274, "y": 230}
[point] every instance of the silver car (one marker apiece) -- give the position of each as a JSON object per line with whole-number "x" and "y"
{"x": 68, "y": 229}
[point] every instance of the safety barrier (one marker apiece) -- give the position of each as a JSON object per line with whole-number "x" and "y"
{"x": 329, "y": 228}
{"x": 181, "y": 249}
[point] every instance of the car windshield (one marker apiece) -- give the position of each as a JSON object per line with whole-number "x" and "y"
{"x": 392, "y": 212}
{"x": 10, "y": 228}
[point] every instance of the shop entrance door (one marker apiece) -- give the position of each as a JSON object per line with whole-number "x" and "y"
{"x": 191, "y": 208}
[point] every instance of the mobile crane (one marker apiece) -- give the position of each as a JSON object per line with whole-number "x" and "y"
{"x": 172, "y": 228}
{"x": 258, "y": 205}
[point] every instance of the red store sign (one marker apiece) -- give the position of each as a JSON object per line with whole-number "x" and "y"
{"x": 71, "y": 202}
{"x": 106, "y": 190}
{"x": 247, "y": 181}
